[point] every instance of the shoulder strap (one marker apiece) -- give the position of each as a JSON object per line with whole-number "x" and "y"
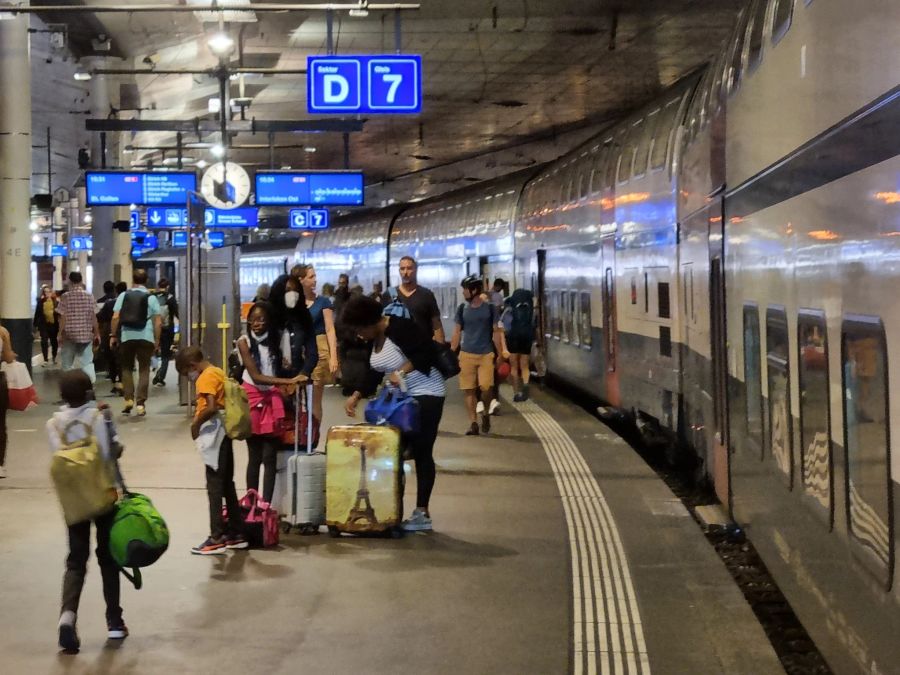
{"x": 393, "y": 292}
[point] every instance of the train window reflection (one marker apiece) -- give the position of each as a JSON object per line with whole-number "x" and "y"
{"x": 733, "y": 77}
{"x": 754, "y": 48}
{"x": 555, "y": 322}
{"x": 586, "y": 337}
{"x": 662, "y": 292}
{"x": 781, "y": 19}
{"x": 752, "y": 379}
{"x": 566, "y": 316}
{"x": 815, "y": 436}
{"x": 575, "y": 321}
{"x": 779, "y": 389}
{"x": 641, "y": 155}
{"x": 866, "y": 434}
{"x": 662, "y": 134}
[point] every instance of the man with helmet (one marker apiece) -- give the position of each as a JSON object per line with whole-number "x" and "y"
{"x": 477, "y": 334}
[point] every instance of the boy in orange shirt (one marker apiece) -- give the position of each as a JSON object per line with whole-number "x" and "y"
{"x": 208, "y": 432}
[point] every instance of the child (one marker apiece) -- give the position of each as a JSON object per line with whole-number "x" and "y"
{"x": 77, "y": 393}
{"x": 208, "y": 431}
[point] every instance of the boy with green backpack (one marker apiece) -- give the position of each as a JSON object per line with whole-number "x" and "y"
{"x": 221, "y": 416}
{"x": 85, "y": 449}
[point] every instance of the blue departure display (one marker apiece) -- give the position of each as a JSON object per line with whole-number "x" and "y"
{"x": 59, "y": 250}
{"x": 245, "y": 217}
{"x": 144, "y": 188}
{"x": 325, "y": 188}
{"x": 179, "y": 239}
{"x": 216, "y": 239}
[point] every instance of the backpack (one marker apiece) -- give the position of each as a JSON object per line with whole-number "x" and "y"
{"x": 237, "y": 411}
{"x": 522, "y": 323}
{"x": 165, "y": 310}
{"x": 83, "y": 479}
{"x": 396, "y": 307}
{"x": 135, "y": 307}
{"x": 138, "y": 537}
{"x": 106, "y": 312}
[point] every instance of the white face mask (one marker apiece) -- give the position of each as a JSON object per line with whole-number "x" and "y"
{"x": 193, "y": 375}
{"x": 260, "y": 336}
{"x": 291, "y": 298}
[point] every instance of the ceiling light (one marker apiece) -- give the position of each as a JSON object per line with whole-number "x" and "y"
{"x": 218, "y": 150}
{"x": 286, "y": 167}
{"x": 309, "y": 148}
{"x": 82, "y": 75}
{"x": 358, "y": 12}
{"x": 88, "y": 218}
{"x": 201, "y": 164}
{"x": 33, "y": 226}
{"x": 133, "y": 207}
{"x": 221, "y": 43}
{"x": 36, "y": 239}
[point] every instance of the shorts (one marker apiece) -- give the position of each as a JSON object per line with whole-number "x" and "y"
{"x": 321, "y": 374}
{"x": 516, "y": 344}
{"x": 476, "y": 370}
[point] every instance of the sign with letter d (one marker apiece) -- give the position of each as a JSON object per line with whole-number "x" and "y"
{"x": 364, "y": 84}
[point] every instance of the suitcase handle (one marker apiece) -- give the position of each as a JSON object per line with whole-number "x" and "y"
{"x": 309, "y": 421}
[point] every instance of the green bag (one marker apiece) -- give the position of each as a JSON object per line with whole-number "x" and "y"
{"x": 237, "y": 411}
{"x": 139, "y": 535}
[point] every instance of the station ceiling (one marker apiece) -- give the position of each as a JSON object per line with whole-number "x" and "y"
{"x": 501, "y": 74}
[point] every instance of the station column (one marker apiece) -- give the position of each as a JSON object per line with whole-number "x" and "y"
{"x": 15, "y": 184}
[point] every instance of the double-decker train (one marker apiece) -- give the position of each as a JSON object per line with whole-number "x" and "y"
{"x": 719, "y": 264}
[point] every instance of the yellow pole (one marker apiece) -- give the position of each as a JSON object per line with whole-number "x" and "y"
{"x": 224, "y": 325}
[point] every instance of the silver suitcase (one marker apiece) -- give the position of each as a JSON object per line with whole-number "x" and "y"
{"x": 303, "y": 500}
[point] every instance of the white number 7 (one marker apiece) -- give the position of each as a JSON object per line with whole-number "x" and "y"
{"x": 394, "y": 80}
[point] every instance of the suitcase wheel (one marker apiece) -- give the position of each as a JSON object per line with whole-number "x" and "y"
{"x": 333, "y": 531}
{"x": 309, "y": 528}
{"x": 397, "y": 533}
{"x": 286, "y": 528}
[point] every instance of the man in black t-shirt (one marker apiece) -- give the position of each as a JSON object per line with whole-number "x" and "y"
{"x": 420, "y": 301}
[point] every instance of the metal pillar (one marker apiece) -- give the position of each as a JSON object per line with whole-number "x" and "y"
{"x": 15, "y": 185}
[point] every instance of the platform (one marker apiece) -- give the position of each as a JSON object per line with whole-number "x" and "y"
{"x": 490, "y": 591}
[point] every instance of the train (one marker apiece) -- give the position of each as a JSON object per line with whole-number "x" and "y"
{"x": 717, "y": 265}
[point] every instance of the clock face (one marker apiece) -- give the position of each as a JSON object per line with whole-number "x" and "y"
{"x": 225, "y": 185}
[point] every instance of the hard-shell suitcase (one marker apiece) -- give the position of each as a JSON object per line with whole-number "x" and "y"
{"x": 303, "y": 503}
{"x": 364, "y": 480}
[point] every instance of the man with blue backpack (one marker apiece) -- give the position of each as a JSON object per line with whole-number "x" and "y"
{"x": 518, "y": 325}
{"x": 411, "y": 301}
{"x": 138, "y": 314}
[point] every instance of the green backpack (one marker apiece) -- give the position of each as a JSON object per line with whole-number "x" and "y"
{"x": 237, "y": 411}
{"x": 139, "y": 535}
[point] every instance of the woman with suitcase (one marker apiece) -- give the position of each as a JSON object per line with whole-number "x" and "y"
{"x": 400, "y": 349}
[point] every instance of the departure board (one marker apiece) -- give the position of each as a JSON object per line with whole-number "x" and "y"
{"x": 308, "y": 188}
{"x": 143, "y": 188}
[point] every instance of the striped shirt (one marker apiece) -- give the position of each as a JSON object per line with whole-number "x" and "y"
{"x": 390, "y": 358}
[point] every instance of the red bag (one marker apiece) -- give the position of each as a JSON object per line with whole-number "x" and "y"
{"x": 21, "y": 389}
{"x": 288, "y": 433}
{"x": 260, "y": 520}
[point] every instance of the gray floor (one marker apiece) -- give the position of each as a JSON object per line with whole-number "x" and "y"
{"x": 488, "y": 592}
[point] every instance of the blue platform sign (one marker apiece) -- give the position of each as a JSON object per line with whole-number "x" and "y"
{"x": 318, "y": 219}
{"x": 59, "y": 250}
{"x": 364, "y": 84}
{"x": 308, "y": 188}
{"x": 179, "y": 239}
{"x": 158, "y": 217}
{"x": 135, "y": 218}
{"x": 244, "y": 217}
{"x": 308, "y": 219}
{"x": 216, "y": 239}
{"x": 144, "y": 188}
{"x": 81, "y": 243}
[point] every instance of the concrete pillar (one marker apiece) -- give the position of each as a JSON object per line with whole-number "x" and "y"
{"x": 82, "y": 231}
{"x": 104, "y": 256}
{"x": 15, "y": 185}
{"x": 121, "y": 252}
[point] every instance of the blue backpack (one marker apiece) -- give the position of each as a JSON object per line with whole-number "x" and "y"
{"x": 396, "y": 307}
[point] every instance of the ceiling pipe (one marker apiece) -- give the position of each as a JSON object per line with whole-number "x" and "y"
{"x": 189, "y": 71}
{"x": 219, "y": 7}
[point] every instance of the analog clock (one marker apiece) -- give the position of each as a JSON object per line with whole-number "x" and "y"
{"x": 225, "y": 185}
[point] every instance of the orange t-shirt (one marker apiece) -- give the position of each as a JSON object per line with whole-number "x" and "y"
{"x": 211, "y": 381}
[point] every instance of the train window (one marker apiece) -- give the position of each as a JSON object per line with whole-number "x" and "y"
{"x": 641, "y": 155}
{"x": 575, "y": 313}
{"x": 755, "y": 46}
{"x": 781, "y": 19}
{"x": 733, "y": 73}
{"x": 752, "y": 379}
{"x": 867, "y": 434}
{"x": 633, "y": 290}
{"x": 586, "y": 336}
{"x": 615, "y": 156}
{"x": 646, "y": 293}
{"x": 583, "y": 181}
{"x": 778, "y": 379}
{"x": 627, "y": 161}
{"x": 555, "y": 323}
{"x": 815, "y": 438}
{"x": 663, "y": 134}
{"x": 566, "y": 316}
{"x": 546, "y": 311}
{"x": 662, "y": 292}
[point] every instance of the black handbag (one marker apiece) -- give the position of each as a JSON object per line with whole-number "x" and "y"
{"x": 447, "y": 361}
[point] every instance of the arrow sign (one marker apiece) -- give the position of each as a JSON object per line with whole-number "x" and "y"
{"x": 153, "y": 217}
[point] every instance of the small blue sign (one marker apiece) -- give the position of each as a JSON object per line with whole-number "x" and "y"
{"x": 179, "y": 239}
{"x": 135, "y": 218}
{"x": 318, "y": 219}
{"x": 364, "y": 84}
{"x": 244, "y": 217}
{"x": 298, "y": 219}
{"x": 216, "y": 239}
{"x": 158, "y": 217}
{"x": 59, "y": 250}
{"x": 151, "y": 242}
{"x": 137, "y": 238}
{"x": 78, "y": 244}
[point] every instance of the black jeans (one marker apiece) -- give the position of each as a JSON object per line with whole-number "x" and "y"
{"x": 49, "y": 338}
{"x": 76, "y": 566}
{"x": 431, "y": 408}
{"x": 219, "y": 487}
{"x": 263, "y": 451}
{"x": 166, "y": 338}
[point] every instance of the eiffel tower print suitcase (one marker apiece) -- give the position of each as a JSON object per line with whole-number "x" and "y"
{"x": 302, "y": 503}
{"x": 363, "y": 480}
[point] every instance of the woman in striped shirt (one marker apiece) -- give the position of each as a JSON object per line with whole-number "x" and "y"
{"x": 403, "y": 352}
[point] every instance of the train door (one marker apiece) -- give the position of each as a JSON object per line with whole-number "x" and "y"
{"x": 718, "y": 337}
{"x": 610, "y": 325}
{"x": 538, "y": 288}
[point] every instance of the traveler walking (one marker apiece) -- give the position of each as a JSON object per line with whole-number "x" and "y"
{"x": 137, "y": 313}
{"x": 208, "y": 432}
{"x": 402, "y": 350}
{"x": 322, "y": 312}
{"x": 47, "y": 322}
{"x": 476, "y": 335}
{"x": 105, "y": 305}
{"x": 80, "y": 419}
{"x": 420, "y": 301}
{"x": 518, "y": 323}
{"x": 168, "y": 315}
{"x": 341, "y": 294}
{"x": 78, "y": 328}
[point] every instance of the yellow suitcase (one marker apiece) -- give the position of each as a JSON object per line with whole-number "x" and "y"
{"x": 363, "y": 480}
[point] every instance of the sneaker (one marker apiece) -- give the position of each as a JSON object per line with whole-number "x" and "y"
{"x": 116, "y": 630}
{"x": 140, "y": 410}
{"x": 479, "y": 408}
{"x": 129, "y": 404}
{"x": 518, "y": 397}
{"x": 419, "y": 521}
{"x": 473, "y": 430}
{"x": 2, "y": 471}
{"x": 525, "y": 393}
{"x": 485, "y": 424}
{"x": 236, "y": 541}
{"x": 68, "y": 638}
{"x": 494, "y": 408}
{"x": 211, "y": 547}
